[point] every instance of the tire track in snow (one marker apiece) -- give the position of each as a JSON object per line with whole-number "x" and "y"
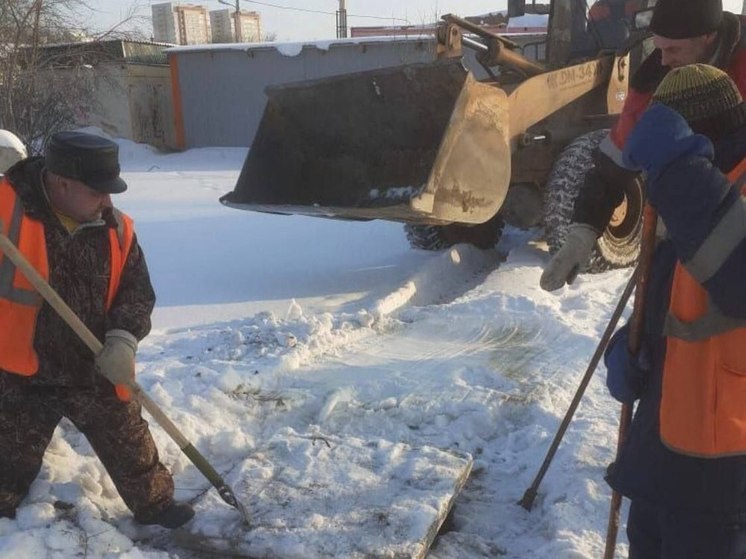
{"x": 508, "y": 375}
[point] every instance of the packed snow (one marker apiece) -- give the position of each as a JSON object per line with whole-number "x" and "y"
{"x": 272, "y": 329}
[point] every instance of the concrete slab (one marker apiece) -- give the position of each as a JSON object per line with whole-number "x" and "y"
{"x": 318, "y": 497}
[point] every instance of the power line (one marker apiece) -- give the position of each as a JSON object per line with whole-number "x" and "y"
{"x": 322, "y": 12}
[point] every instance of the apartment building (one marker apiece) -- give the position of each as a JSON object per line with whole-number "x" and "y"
{"x": 182, "y": 24}
{"x": 223, "y": 25}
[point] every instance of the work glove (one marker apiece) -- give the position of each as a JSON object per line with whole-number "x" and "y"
{"x": 572, "y": 256}
{"x": 660, "y": 137}
{"x": 626, "y": 374}
{"x": 116, "y": 362}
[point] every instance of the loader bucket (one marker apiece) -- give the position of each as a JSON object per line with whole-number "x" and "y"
{"x": 422, "y": 143}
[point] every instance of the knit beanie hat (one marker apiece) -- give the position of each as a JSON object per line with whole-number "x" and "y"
{"x": 685, "y": 19}
{"x": 705, "y": 96}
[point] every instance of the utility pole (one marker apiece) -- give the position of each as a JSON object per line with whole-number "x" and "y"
{"x": 237, "y": 22}
{"x": 342, "y": 19}
{"x": 236, "y": 19}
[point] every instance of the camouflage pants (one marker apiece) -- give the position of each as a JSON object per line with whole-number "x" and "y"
{"x": 116, "y": 431}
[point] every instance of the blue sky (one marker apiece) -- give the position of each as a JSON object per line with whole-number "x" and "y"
{"x": 297, "y": 25}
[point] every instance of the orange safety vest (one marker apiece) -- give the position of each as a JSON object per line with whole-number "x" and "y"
{"x": 19, "y": 302}
{"x": 703, "y": 403}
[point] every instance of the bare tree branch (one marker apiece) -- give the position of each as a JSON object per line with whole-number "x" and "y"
{"x": 43, "y": 82}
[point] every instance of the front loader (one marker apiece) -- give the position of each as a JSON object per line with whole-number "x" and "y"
{"x": 451, "y": 156}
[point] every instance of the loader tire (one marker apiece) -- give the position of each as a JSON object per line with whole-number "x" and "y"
{"x": 437, "y": 237}
{"x": 619, "y": 245}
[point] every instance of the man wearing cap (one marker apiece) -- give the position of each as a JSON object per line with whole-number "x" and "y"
{"x": 683, "y": 462}
{"x": 684, "y": 32}
{"x": 57, "y": 210}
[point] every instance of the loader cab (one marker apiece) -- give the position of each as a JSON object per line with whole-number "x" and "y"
{"x": 595, "y": 27}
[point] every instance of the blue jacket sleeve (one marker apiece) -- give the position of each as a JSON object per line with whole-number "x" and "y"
{"x": 626, "y": 375}
{"x": 692, "y": 197}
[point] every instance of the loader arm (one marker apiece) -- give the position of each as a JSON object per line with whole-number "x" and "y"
{"x": 491, "y": 50}
{"x": 540, "y": 96}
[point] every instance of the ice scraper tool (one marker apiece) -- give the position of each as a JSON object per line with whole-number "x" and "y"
{"x": 10, "y": 251}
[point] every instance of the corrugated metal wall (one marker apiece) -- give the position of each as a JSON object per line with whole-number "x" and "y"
{"x": 222, "y": 90}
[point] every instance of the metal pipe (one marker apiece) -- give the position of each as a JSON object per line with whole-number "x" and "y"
{"x": 474, "y": 45}
{"x": 527, "y": 502}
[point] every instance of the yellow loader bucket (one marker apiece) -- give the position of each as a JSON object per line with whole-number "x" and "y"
{"x": 422, "y": 143}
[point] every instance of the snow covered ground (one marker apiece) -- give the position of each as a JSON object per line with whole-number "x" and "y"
{"x": 269, "y": 327}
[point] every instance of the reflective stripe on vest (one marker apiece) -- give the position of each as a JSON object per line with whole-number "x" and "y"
{"x": 19, "y": 302}
{"x": 120, "y": 243}
{"x": 703, "y": 402}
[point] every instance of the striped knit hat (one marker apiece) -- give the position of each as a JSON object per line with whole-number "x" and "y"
{"x": 705, "y": 96}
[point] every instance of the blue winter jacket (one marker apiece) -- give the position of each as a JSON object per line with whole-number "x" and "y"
{"x": 690, "y": 193}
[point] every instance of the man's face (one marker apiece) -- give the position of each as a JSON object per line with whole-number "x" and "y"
{"x": 80, "y": 201}
{"x": 680, "y": 52}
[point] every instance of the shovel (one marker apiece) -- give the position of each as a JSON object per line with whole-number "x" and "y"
{"x": 93, "y": 343}
{"x": 647, "y": 248}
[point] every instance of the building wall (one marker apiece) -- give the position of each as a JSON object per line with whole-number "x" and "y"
{"x": 150, "y": 105}
{"x": 164, "y": 23}
{"x": 109, "y": 109}
{"x": 180, "y": 24}
{"x": 193, "y": 25}
{"x": 221, "y": 26}
{"x": 131, "y": 101}
{"x": 251, "y": 27}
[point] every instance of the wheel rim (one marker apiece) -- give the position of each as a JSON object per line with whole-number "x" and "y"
{"x": 626, "y": 222}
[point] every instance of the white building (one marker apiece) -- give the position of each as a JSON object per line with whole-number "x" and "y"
{"x": 164, "y": 23}
{"x": 223, "y": 24}
{"x": 181, "y": 24}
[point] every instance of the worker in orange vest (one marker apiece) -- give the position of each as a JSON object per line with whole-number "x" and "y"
{"x": 683, "y": 463}
{"x": 57, "y": 210}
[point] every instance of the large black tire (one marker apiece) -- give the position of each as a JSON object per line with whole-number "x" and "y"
{"x": 619, "y": 245}
{"x": 437, "y": 237}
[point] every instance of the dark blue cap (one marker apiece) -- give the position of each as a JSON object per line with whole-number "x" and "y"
{"x": 85, "y": 157}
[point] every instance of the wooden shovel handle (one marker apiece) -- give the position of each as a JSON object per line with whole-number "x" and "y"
{"x": 94, "y": 344}
{"x": 647, "y": 248}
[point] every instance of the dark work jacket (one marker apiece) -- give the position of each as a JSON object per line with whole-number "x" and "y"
{"x": 79, "y": 269}
{"x": 690, "y": 195}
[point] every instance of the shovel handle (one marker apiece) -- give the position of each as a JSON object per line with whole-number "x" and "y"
{"x": 94, "y": 344}
{"x": 647, "y": 248}
{"x": 83, "y": 332}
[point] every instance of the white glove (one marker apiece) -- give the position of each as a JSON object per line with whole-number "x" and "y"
{"x": 572, "y": 256}
{"x": 116, "y": 361}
